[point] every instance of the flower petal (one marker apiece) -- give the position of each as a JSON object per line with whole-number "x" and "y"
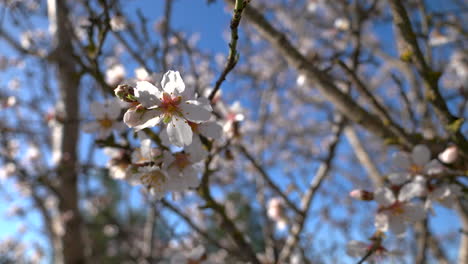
{"x": 97, "y": 109}
{"x": 179, "y": 132}
{"x": 147, "y": 94}
{"x": 414, "y": 212}
{"x": 421, "y": 155}
{"x": 196, "y": 150}
{"x": 401, "y": 160}
{"x": 190, "y": 177}
{"x": 172, "y": 83}
{"x": 112, "y": 108}
{"x": 168, "y": 159}
{"x": 211, "y": 130}
{"x": 397, "y": 224}
{"x": 381, "y": 221}
{"x": 91, "y": 127}
{"x": 150, "y": 118}
{"x": 194, "y": 112}
{"x": 413, "y": 189}
{"x": 384, "y": 196}
{"x": 398, "y": 178}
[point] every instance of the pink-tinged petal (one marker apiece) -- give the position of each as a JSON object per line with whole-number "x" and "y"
{"x": 421, "y": 155}
{"x": 356, "y": 248}
{"x": 150, "y": 118}
{"x": 398, "y": 178}
{"x": 211, "y": 130}
{"x": 384, "y": 196}
{"x": 113, "y": 108}
{"x": 179, "y": 132}
{"x": 414, "y": 212}
{"x": 397, "y": 224}
{"x": 196, "y": 150}
{"x": 91, "y": 127}
{"x": 449, "y": 155}
{"x": 381, "y": 221}
{"x": 97, "y": 109}
{"x": 190, "y": 177}
{"x": 401, "y": 160}
{"x": 147, "y": 94}
{"x": 194, "y": 113}
{"x": 172, "y": 83}
{"x": 413, "y": 189}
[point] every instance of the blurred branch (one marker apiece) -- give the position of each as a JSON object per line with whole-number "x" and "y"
{"x": 382, "y": 113}
{"x": 414, "y": 54}
{"x": 306, "y": 201}
{"x": 268, "y": 179}
{"x": 363, "y": 156}
{"x": 344, "y": 103}
{"x": 192, "y": 224}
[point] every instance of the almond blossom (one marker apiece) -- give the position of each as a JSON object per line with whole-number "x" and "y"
{"x": 232, "y": 116}
{"x": 418, "y": 162}
{"x": 395, "y": 210}
{"x": 174, "y": 105}
{"x": 107, "y": 118}
{"x": 155, "y": 179}
{"x": 182, "y": 168}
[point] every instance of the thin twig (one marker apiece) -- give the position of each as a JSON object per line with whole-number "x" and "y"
{"x": 233, "y": 56}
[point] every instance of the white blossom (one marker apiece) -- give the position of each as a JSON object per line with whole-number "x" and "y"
{"x": 107, "y": 118}
{"x": 115, "y": 74}
{"x": 182, "y": 168}
{"x": 395, "y": 211}
{"x": 174, "y": 105}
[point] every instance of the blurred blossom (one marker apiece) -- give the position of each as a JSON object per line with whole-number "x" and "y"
{"x": 437, "y": 38}
{"x": 107, "y": 116}
{"x": 275, "y": 210}
{"x": 449, "y": 155}
{"x": 7, "y": 170}
{"x": 115, "y": 74}
{"x": 118, "y": 23}
{"x": 110, "y": 230}
{"x": 14, "y": 84}
{"x": 301, "y": 79}
{"x": 341, "y": 24}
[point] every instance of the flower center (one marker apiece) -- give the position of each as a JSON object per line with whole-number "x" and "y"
{"x": 415, "y": 169}
{"x": 105, "y": 123}
{"x": 193, "y": 126}
{"x": 170, "y": 106}
{"x": 397, "y": 208}
{"x": 181, "y": 160}
{"x": 155, "y": 179}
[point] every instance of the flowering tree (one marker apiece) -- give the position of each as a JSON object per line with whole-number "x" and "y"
{"x": 265, "y": 153}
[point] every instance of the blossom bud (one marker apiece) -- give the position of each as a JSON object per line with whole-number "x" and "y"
{"x": 125, "y": 93}
{"x": 362, "y": 195}
{"x": 449, "y": 155}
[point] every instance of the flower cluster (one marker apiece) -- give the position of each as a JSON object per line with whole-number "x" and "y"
{"x": 184, "y": 119}
{"x": 410, "y": 191}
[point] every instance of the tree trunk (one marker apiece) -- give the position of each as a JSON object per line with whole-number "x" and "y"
{"x": 67, "y": 170}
